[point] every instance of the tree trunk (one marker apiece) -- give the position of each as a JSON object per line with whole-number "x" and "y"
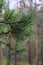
{"x": 42, "y": 55}
{"x": 30, "y": 59}
{"x": 16, "y": 52}
{"x": 29, "y": 53}
{"x": 8, "y": 48}
{"x": 36, "y": 37}
{"x": 0, "y": 56}
{"x": 36, "y": 43}
{"x": 29, "y": 43}
{"x": 42, "y": 36}
{"x": 0, "y": 52}
{"x": 8, "y": 56}
{"x": 1, "y": 18}
{"x": 15, "y": 59}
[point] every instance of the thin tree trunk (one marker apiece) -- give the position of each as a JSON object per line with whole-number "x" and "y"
{"x": 36, "y": 37}
{"x": 29, "y": 52}
{"x": 8, "y": 56}
{"x": 30, "y": 1}
{"x": 36, "y": 44}
{"x": 42, "y": 55}
{"x": 0, "y": 53}
{"x": 0, "y": 56}
{"x": 15, "y": 59}
{"x": 8, "y": 49}
{"x": 29, "y": 43}
{"x": 1, "y": 18}
{"x": 9, "y": 41}
{"x": 42, "y": 36}
{"x": 30, "y": 59}
{"x": 16, "y": 52}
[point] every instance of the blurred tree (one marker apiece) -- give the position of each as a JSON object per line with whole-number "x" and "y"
{"x": 42, "y": 34}
{"x": 19, "y": 27}
{"x": 36, "y": 36}
{"x": 1, "y": 5}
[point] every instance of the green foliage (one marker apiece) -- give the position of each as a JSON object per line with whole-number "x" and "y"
{"x": 2, "y": 43}
{"x": 1, "y": 4}
{"x": 20, "y": 29}
{"x": 21, "y": 48}
{"x": 11, "y": 16}
{"x": 3, "y": 28}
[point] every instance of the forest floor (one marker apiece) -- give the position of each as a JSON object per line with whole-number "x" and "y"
{"x": 4, "y": 62}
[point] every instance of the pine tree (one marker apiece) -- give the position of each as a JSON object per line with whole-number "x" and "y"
{"x": 19, "y": 26}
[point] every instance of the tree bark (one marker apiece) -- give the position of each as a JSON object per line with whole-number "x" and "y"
{"x": 36, "y": 36}
{"x": 42, "y": 36}
{"x": 16, "y": 52}
{"x": 8, "y": 48}
{"x": 8, "y": 56}
{"x": 29, "y": 52}
{"x": 30, "y": 59}
{"x": 0, "y": 56}
{"x": 0, "y": 53}
{"x": 36, "y": 44}
{"x": 29, "y": 43}
{"x": 42, "y": 55}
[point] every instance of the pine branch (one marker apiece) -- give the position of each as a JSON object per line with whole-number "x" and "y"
{"x": 4, "y": 33}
